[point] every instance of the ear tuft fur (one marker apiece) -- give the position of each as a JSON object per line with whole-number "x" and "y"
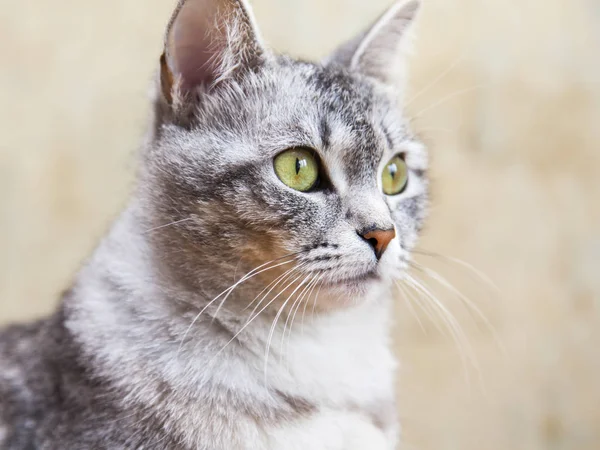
{"x": 378, "y": 52}
{"x": 207, "y": 41}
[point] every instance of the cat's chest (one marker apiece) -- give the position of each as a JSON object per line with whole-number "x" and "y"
{"x": 330, "y": 387}
{"x": 345, "y": 369}
{"x": 343, "y": 361}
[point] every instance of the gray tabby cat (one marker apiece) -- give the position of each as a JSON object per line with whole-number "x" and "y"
{"x": 242, "y": 300}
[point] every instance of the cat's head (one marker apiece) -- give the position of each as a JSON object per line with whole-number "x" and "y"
{"x": 259, "y": 161}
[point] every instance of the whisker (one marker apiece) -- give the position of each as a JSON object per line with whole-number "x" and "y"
{"x": 237, "y": 266}
{"x": 160, "y": 227}
{"x": 412, "y": 310}
{"x": 287, "y": 320}
{"x": 317, "y": 296}
{"x": 231, "y": 288}
{"x": 453, "y": 326}
{"x": 450, "y": 259}
{"x": 429, "y": 129}
{"x": 282, "y": 278}
{"x": 252, "y": 318}
{"x": 436, "y": 80}
{"x": 446, "y": 316}
{"x": 449, "y": 97}
{"x": 279, "y": 312}
{"x": 276, "y": 280}
{"x": 293, "y": 313}
{"x": 471, "y": 306}
{"x": 290, "y": 314}
{"x": 319, "y": 277}
{"x": 430, "y": 311}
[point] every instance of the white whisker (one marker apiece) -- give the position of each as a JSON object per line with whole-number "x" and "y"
{"x": 282, "y": 279}
{"x": 429, "y": 310}
{"x": 317, "y": 296}
{"x": 270, "y": 285}
{"x": 436, "y": 80}
{"x": 471, "y": 306}
{"x": 252, "y": 318}
{"x": 227, "y": 291}
{"x": 319, "y": 277}
{"x": 463, "y": 345}
{"x": 293, "y": 311}
{"x": 160, "y": 227}
{"x": 407, "y": 300}
{"x": 450, "y": 259}
{"x": 273, "y": 326}
{"x": 449, "y": 97}
{"x": 253, "y": 275}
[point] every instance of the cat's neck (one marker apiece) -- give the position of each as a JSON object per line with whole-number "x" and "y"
{"x": 142, "y": 330}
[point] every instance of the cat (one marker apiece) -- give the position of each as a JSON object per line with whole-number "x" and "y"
{"x": 242, "y": 299}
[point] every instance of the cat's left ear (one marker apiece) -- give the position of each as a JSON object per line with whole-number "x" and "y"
{"x": 379, "y": 51}
{"x": 207, "y": 42}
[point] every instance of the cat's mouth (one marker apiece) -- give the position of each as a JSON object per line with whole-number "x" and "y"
{"x": 354, "y": 280}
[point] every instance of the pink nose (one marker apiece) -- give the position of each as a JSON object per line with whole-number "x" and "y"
{"x": 379, "y": 240}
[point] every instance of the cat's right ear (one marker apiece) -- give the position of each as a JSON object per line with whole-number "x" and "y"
{"x": 379, "y": 51}
{"x": 207, "y": 42}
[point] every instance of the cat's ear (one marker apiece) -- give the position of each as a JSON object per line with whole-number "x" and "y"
{"x": 379, "y": 51}
{"x": 207, "y": 41}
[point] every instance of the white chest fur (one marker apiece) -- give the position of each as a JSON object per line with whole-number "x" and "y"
{"x": 342, "y": 363}
{"x": 340, "y": 358}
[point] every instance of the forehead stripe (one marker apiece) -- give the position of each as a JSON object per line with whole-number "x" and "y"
{"x": 325, "y": 132}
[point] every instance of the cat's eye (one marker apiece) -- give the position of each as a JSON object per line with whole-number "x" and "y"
{"x": 395, "y": 176}
{"x": 297, "y": 168}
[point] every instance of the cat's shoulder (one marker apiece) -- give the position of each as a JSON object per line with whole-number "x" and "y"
{"x": 21, "y": 347}
{"x": 22, "y": 375}
{"x": 50, "y": 397}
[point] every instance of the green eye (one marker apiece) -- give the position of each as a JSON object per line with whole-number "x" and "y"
{"x": 297, "y": 168}
{"x": 395, "y": 176}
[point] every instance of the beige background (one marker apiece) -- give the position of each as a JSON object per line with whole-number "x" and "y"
{"x": 510, "y": 105}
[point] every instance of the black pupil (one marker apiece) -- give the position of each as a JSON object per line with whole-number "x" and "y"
{"x": 300, "y": 163}
{"x": 393, "y": 170}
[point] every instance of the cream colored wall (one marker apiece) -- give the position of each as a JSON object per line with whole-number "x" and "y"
{"x": 513, "y": 122}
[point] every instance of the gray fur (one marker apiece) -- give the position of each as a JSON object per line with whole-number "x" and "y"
{"x": 128, "y": 361}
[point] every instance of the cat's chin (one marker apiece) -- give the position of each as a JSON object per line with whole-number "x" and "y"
{"x": 356, "y": 285}
{"x": 359, "y": 280}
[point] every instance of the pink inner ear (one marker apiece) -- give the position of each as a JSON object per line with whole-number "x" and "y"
{"x": 206, "y": 33}
{"x": 194, "y": 45}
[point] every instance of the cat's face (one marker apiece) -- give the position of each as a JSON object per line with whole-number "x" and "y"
{"x": 301, "y": 171}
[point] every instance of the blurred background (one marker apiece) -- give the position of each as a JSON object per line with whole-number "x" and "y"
{"x": 506, "y": 95}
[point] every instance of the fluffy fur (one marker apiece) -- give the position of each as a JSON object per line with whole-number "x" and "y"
{"x": 225, "y": 310}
